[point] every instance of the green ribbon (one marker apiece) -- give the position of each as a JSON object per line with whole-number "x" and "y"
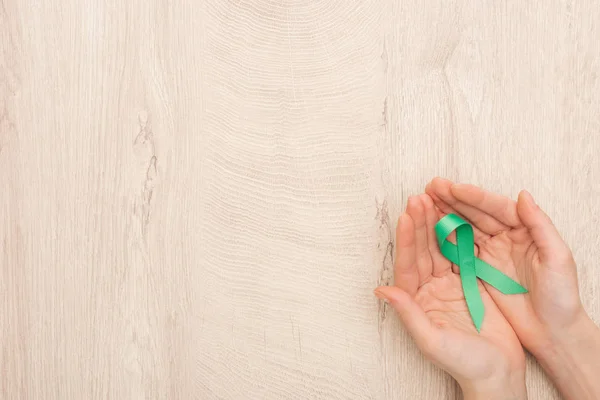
{"x": 463, "y": 254}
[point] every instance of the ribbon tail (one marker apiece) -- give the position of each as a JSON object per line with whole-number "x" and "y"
{"x": 485, "y": 272}
{"x": 496, "y": 278}
{"x": 473, "y": 299}
{"x": 468, "y": 274}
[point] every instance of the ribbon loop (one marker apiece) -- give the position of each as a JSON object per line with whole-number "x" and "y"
{"x": 463, "y": 254}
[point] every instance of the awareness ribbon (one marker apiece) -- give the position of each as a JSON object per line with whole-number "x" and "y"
{"x": 463, "y": 254}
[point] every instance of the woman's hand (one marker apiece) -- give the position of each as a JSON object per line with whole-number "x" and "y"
{"x": 519, "y": 239}
{"x": 429, "y": 300}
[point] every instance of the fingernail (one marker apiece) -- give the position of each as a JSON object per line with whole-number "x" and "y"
{"x": 379, "y": 294}
{"x": 402, "y": 219}
{"x": 529, "y": 198}
{"x": 413, "y": 202}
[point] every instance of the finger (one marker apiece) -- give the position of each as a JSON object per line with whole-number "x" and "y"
{"x": 445, "y": 209}
{"x": 442, "y": 209}
{"x": 424, "y": 264}
{"x": 406, "y": 275}
{"x": 544, "y": 233}
{"x": 418, "y": 325}
{"x": 500, "y": 207}
{"x": 440, "y": 263}
{"x": 483, "y": 221}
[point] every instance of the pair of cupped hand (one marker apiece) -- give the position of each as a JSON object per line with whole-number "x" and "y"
{"x": 517, "y": 238}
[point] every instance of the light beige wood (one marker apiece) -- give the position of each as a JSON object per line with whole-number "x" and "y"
{"x": 198, "y": 197}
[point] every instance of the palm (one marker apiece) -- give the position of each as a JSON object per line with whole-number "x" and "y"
{"x": 443, "y": 301}
{"x": 513, "y": 252}
{"x": 424, "y": 273}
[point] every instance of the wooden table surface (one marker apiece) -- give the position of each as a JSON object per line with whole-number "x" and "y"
{"x": 197, "y": 198}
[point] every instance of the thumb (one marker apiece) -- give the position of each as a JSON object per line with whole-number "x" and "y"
{"x": 413, "y": 317}
{"x": 543, "y": 231}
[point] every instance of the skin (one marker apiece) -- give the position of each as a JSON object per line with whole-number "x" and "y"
{"x": 518, "y": 238}
{"x": 429, "y": 300}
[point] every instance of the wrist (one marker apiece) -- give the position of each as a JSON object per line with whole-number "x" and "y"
{"x": 570, "y": 340}
{"x": 501, "y": 388}
{"x": 571, "y": 357}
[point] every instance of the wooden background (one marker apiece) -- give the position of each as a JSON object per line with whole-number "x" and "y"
{"x": 197, "y": 198}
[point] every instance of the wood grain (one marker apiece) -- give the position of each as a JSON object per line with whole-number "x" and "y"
{"x": 198, "y": 197}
